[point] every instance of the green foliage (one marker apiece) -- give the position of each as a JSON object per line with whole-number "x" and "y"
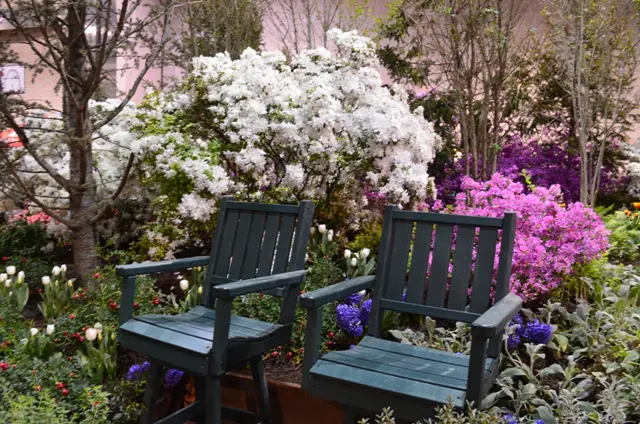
{"x": 456, "y": 339}
{"x": 368, "y": 238}
{"x": 625, "y": 234}
{"x": 577, "y": 285}
{"x": 444, "y": 415}
{"x": 56, "y": 295}
{"x": 34, "y": 268}
{"x": 20, "y": 239}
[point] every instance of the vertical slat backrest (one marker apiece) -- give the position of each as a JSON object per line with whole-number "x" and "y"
{"x": 253, "y": 240}
{"x": 438, "y": 259}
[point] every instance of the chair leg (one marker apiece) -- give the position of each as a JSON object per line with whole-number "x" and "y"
{"x": 154, "y": 382}
{"x": 261, "y": 388}
{"x": 212, "y": 400}
{"x": 200, "y": 396}
{"x": 350, "y": 415}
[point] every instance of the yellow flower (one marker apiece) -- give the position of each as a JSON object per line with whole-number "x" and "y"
{"x": 636, "y": 205}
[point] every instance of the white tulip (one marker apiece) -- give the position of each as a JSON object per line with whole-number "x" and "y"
{"x": 3, "y": 277}
{"x": 322, "y": 228}
{"x": 63, "y": 268}
{"x": 21, "y": 277}
{"x": 330, "y": 232}
{"x": 365, "y": 252}
{"x": 306, "y": 257}
{"x": 55, "y": 271}
{"x": 46, "y": 280}
{"x": 91, "y": 334}
{"x": 312, "y": 230}
{"x": 70, "y": 283}
{"x": 98, "y": 327}
{"x": 354, "y": 262}
{"x": 7, "y": 283}
{"x": 347, "y": 253}
{"x": 33, "y": 331}
{"x": 50, "y": 329}
{"x": 11, "y": 270}
{"x": 184, "y": 285}
{"x": 329, "y": 237}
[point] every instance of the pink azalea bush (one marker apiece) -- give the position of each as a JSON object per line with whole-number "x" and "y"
{"x": 551, "y": 237}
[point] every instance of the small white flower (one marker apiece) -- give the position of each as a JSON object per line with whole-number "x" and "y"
{"x": 312, "y": 230}
{"x": 11, "y": 270}
{"x": 354, "y": 262}
{"x": 7, "y": 283}
{"x": 91, "y": 334}
{"x": 46, "y": 280}
{"x": 184, "y": 285}
{"x": 33, "y": 331}
{"x": 98, "y": 327}
{"x": 63, "y": 268}
{"x": 330, "y": 233}
{"x": 322, "y": 228}
{"x": 55, "y": 271}
{"x": 21, "y": 277}
{"x": 50, "y": 329}
{"x": 306, "y": 257}
{"x": 3, "y": 277}
{"x": 365, "y": 253}
{"x": 362, "y": 292}
{"x": 347, "y": 253}
{"x": 329, "y": 237}
{"x": 70, "y": 283}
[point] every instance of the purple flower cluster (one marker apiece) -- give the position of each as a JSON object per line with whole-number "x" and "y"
{"x": 533, "y": 332}
{"x": 510, "y": 419}
{"x": 137, "y": 370}
{"x": 551, "y": 237}
{"x": 353, "y": 315}
{"x": 172, "y": 377}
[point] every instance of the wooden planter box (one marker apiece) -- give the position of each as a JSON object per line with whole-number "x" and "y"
{"x": 289, "y": 403}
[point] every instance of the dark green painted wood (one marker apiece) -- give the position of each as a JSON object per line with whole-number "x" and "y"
{"x": 312, "y": 336}
{"x": 440, "y": 265}
{"x": 350, "y": 416}
{"x": 283, "y": 250}
{"x": 213, "y": 405}
{"x": 222, "y": 261}
{"x": 384, "y": 252}
{"x": 431, "y": 311}
{"x": 336, "y": 291}
{"x": 254, "y": 285}
{"x": 254, "y": 244}
{"x": 265, "y": 262}
{"x": 260, "y": 385}
{"x": 240, "y": 244}
{"x": 221, "y": 329}
{"x": 498, "y": 316}
{"x": 127, "y": 298}
{"x": 303, "y": 230}
{"x": 449, "y": 219}
{"x": 483, "y": 272}
{"x": 393, "y": 384}
{"x": 161, "y": 266}
{"x": 460, "y": 276}
{"x": 402, "y": 232}
{"x": 201, "y": 330}
{"x": 183, "y": 415}
{"x": 419, "y": 262}
{"x": 478, "y": 355}
{"x": 415, "y": 351}
{"x": 154, "y": 382}
{"x": 164, "y": 336}
{"x": 264, "y": 207}
{"x": 506, "y": 255}
{"x": 218, "y": 236}
{"x": 235, "y": 319}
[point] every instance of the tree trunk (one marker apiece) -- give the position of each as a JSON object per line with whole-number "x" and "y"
{"x": 84, "y": 253}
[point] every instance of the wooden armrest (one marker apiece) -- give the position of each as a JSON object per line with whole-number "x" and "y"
{"x": 325, "y": 295}
{"x": 161, "y": 266}
{"x": 497, "y": 317}
{"x": 253, "y": 285}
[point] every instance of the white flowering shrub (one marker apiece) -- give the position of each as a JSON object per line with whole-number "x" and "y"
{"x": 319, "y": 126}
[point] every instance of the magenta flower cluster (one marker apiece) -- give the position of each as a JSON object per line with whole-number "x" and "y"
{"x": 551, "y": 237}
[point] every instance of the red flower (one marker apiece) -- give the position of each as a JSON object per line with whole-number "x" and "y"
{"x": 65, "y": 333}
{"x": 4, "y": 366}
{"x": 60, "y": 385}
{"x": 65, "y": 392}
{"x": 76, "y": 335}
{"x": 37, "y": 388}
{"x": 5, "y": 258}
{"x": 301, "y": 350}
{"x": 136, "y": 305}
{"x": 75, "y": 296}
{"x": 331, "y": 334}
{"x": 24, "y": 260}
{"x": 156, "y": 301}
{"x": 113, "y": 306}
{"x": 81, "y": 339}
{"x": 289, "y": 355}
{"x": 71, "y": 316}
{"x": 274, "y": 354}
{"x": 96, "y": 275}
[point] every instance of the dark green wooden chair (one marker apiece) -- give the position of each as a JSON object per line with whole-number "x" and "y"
{"x": 256, "y": 248}
{"x": 410, "y": 379}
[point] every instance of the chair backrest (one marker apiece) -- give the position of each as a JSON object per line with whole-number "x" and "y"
{"x": 444, "y": 262}
{"x": 256, "y": 240}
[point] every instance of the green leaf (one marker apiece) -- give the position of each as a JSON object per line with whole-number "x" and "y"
{"x": 512, "y": 372}
{"x": 563, "y": 342}
{"x": 546, "y": 415}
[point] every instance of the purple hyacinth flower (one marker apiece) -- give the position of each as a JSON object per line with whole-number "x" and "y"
{"x": 172, "y": 378}
{"x": 510, "y": 419}
{"x": 145, "y": 366}
{"x": 365, "y": 311}
{"x": 537, "y": 332}
{"x": 353, "y": 299}
{"x": 513, "y": 341}
{"x": 135, "y": 371}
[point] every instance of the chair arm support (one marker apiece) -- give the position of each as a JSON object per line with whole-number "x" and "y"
{"x": 496, "y": 318}
{"x": 325, "y": 295}
{"x": 253, "y": 285}
{"x": 161, "y": 266}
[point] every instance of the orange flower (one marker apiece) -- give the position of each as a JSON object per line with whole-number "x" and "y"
{"x": 636, "y": 205}
{"x": 627, "y": 212}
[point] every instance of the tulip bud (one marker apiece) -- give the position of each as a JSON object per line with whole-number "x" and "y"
{"x": 330, "y": 233}
{"x": 362, "y": 293}
{"x": 70, "y": 283}
{"x": 63, "y": 268}
{"x": 98, "y": 327}
{"x": 50, "y": 329}
{"x": 7, "y": 283}
{"x": 91, "y": 334}
{"x": 55, "y": 271}
{"x": 365, "y": 252}
{"x": 322, "y": 228}
{"x": 306, "y": 257}
{"x": 21, "y": 277}
{"x": 33, "y": 331}
{"x": 46, "y": 280}
{"x": 184, "y": 285}
{"x": 354, "y": 262}
{"x": 347, "y": 253}
{"x": 113, "y": 337}
{"x": 329, "y": 237}
{"x": 199, "y": 290}
{"x": 312, "y": 230}
{"x": 11, "y": 270}
{"x": 3, "y": 277}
